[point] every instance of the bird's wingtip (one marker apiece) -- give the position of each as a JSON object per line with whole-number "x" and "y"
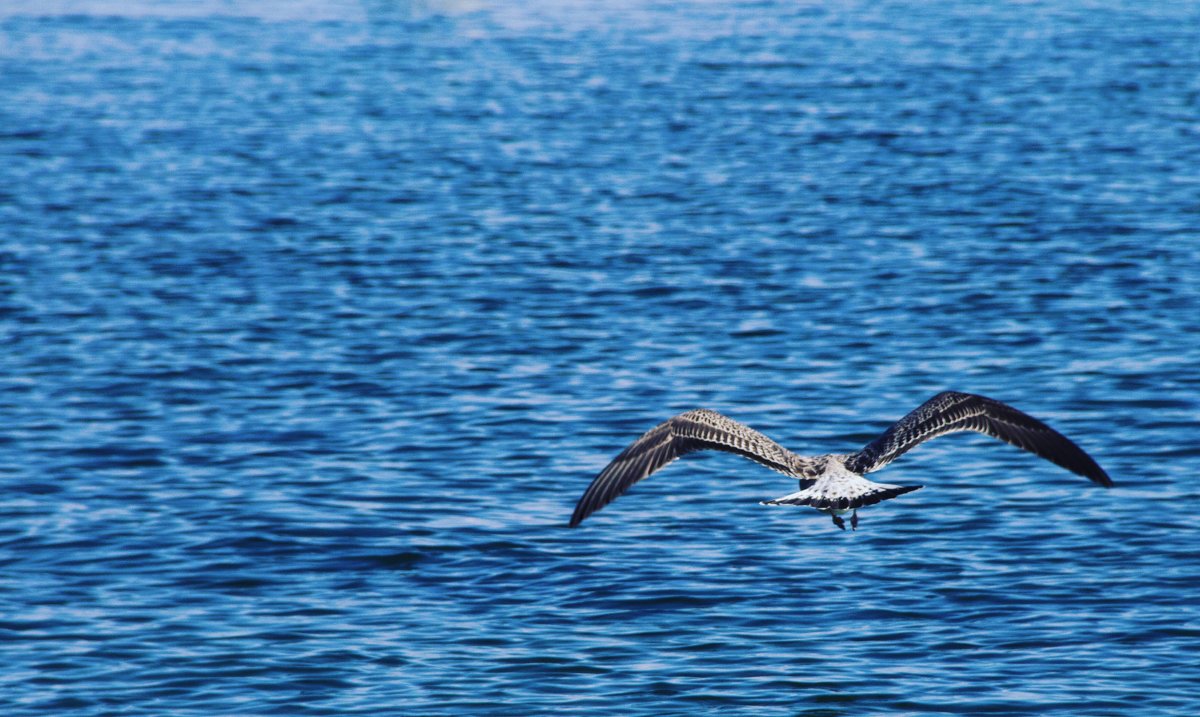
{"x": 1098, "y": 475}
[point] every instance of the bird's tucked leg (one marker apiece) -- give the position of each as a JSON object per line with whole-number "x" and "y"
{"x": 837, "y": 520}
{"x": 854, "y": 520}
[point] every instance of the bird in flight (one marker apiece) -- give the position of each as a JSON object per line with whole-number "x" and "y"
{"x": 834, "y": 483}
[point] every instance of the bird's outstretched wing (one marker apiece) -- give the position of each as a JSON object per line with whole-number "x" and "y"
{"x": 949, "y": 412}
{"x": 689, "y": 432}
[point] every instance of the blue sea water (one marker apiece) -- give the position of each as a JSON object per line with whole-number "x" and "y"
{"x": 318, "y": 318}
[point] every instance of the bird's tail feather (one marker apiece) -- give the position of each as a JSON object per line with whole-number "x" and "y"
{"x": 826, "y": 502}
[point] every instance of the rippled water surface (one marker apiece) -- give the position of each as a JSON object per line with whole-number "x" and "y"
{"x": 317, "y": 320}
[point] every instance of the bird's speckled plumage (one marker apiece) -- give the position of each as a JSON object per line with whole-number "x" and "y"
{"x": 833, "y": 483}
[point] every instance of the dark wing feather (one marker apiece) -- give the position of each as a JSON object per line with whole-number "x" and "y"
{"x": 949, "y": 412}
{"x": 686, "y": 433}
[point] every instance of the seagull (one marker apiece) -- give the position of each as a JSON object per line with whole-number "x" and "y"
{"x": 834, "y": 483}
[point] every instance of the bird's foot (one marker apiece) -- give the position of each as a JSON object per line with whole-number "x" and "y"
{"x": 854, "y": 520}
{"x": 837, "y": 520}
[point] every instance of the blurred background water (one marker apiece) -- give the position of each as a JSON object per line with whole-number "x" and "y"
{"x": 318, "y": 318}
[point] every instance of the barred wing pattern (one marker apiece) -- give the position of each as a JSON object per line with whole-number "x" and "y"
{"x": 950, "y": 411}
{"x": 689, "y": 432}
